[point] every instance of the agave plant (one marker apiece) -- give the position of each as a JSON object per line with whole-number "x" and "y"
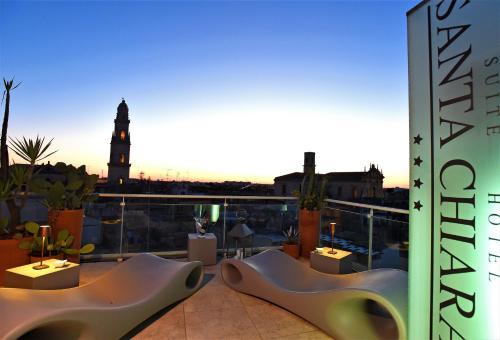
{"x": 292, "y": 236}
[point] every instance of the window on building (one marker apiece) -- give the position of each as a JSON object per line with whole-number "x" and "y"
{"x": 283, "y": 189}
{"x": 120, "y": 180}
{"x": 122, "y": 158}
{"x": 339, "y": 191}
{"x": 122, "y": 135}
{"x": 354, "y": 192}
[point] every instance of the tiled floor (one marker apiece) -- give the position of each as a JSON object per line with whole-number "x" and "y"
{"x": 218, "y": 312}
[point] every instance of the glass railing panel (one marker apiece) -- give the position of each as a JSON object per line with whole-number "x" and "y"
{"x": 159, "y": 225}
{"x": 351, "y": 233}
{"x": 162, "y": 224}
{"x": 102, "y": 225}
{"x": 266, "y": 220}
{"x": 389, "y": 239}
{"x": 391, "y": 231}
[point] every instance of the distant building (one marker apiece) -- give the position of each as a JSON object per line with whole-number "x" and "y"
{"x": 340, "y": 185}
{"x": 119, "y": 157}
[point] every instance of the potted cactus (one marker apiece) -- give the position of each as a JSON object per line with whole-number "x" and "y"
{"x": 58, "y": 247}
{"x": 65, "y": 198}
{"x": 291, "y": 245}
{"x": 311, "y": 199}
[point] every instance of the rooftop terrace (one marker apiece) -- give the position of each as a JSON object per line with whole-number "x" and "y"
{"x": 215, "y": 312}
{"x": 124, "y": 225}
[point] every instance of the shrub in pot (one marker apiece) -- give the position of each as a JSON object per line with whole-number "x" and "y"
{"x": 311, "y": 199}
{"x": 291, "y": 245}
{"x": 65, "y": 197}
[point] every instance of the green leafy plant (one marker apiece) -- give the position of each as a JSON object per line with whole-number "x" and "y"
{"x": 312, "y": 193}
{"x": 61, "y": 244}
{"x": 74, "y": 189}
{"x": 292, "y": 236}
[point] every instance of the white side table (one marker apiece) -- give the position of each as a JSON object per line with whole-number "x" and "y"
{"x": 48, "y": 278}
{"x": 202, "y": 249}
{"x": 338, "y": 263}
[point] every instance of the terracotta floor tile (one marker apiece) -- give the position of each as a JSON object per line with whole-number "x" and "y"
{"x": 213, "y": 296}
{"x": 272, "y": 321}
{"x": 229, "y": 323}
{"x": 249, "y": 300}
{"x": 170, "y": 326}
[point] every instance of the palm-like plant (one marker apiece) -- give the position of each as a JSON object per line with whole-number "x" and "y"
{"x": 30, "y": 150}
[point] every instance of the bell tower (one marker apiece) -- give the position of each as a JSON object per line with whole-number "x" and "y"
{"x": 119, "y": 157}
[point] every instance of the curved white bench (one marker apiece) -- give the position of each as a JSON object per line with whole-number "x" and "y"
{"x": 366, "y": 305}
{"x": 106, "y": 308}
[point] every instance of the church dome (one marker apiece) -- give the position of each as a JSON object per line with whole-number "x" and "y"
{"x": 123, "y": 108}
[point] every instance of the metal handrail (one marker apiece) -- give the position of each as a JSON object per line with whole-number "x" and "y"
{"x": 221, "y": 197}
{"x": 276, "y": 198}
{"x": 370, "y": 206}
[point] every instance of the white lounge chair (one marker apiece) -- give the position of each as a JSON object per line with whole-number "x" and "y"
{"x": 366, "y": 305}
{"x": 106, "y": 308}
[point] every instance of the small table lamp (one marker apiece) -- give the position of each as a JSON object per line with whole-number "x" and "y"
{"x": 44, "y": 232}
{"x": 332, "y": 230}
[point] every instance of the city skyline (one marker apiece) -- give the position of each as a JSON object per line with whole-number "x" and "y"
{"x": 216, "y": 90}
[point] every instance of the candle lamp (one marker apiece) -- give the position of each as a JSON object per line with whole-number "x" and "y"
{"x": 332, "y": 231}
{"x": 44, "y": 232}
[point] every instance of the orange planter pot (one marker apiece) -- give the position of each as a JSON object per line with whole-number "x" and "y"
{"x": 72, "y": 220}
{"x": 308, "y": 231}
{"x": 11, "y": 256}
{"x": 292, "y": 250}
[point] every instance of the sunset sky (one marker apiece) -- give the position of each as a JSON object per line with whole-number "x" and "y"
{"x": 228, "y": 90}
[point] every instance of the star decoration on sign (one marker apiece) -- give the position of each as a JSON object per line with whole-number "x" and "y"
{"x": 417, "y": 183}
{"x": 417, "y": 161}
{"x": 417, "y": 139}
{"x": 417, "y": 205}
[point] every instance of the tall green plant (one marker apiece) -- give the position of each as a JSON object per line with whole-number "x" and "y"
{"x": 4, "y": 153}
{"x": 312, "y": 193}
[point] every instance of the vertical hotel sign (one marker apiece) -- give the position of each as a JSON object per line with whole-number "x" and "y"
{"x": 454, "y": 63}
